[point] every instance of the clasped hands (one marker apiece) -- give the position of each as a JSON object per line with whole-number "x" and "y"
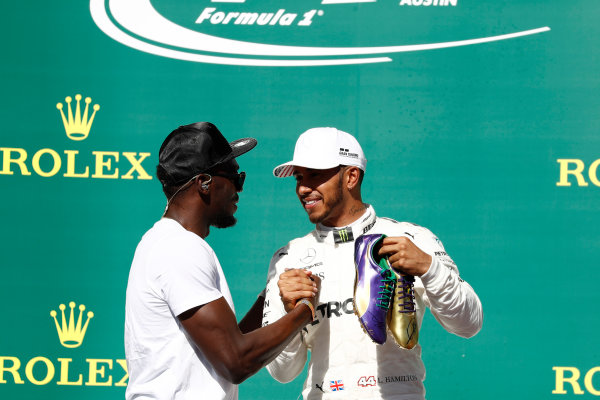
{"x": 297, "y": 284}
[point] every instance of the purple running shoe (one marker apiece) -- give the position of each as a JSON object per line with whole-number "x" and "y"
{"x": 374, "y": 285}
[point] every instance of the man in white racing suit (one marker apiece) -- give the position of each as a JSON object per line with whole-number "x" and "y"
{"x": 328, "y": 166}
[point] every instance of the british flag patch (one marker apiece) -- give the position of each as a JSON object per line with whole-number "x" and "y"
{"x": 336, "y": 386}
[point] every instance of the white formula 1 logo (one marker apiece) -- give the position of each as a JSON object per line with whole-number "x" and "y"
{"x": 138, "y": 24}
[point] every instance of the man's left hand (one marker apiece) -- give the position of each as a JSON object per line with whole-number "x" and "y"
{"x": 405, "y": 256}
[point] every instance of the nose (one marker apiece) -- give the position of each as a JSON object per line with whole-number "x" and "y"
{"x": 302, "y": 189}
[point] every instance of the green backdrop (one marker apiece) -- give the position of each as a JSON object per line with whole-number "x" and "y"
{"x": 480, "y": 120}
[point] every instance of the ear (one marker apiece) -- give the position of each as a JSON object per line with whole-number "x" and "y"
{"x": 204, "y": 182}
{"x": 352, "y": 175}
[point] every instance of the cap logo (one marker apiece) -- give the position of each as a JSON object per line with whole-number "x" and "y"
{"x": 346, "y": 153}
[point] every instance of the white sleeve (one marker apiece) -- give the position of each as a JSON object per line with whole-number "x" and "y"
{"x": 190, "y": 278}
{"x": 452, "y": 301}
{"x": 290, "y": 362}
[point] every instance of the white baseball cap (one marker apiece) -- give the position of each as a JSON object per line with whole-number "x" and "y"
{"x": 323, "y": 148}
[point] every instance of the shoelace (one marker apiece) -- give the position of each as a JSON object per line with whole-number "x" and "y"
{"x": 387, "y": 287}
{"x": 405, "y": 292}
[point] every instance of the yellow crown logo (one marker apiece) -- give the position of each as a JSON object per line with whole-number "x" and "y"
{"x": 77, "y": 127}
{"x": 70, "y": 334}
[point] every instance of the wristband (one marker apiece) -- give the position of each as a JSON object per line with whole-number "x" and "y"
{"x": 309, "y": 304}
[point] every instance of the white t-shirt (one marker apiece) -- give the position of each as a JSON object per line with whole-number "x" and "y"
{"x": 173, "y": 270}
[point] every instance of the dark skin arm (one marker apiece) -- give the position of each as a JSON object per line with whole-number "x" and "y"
{"x": 253, "y": 318}
{"x": 237, "y": 356}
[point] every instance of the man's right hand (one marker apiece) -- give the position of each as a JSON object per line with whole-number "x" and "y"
{"x": 297, "y": 284}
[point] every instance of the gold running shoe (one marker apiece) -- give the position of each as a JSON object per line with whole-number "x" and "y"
{"x": 402, "y": 316}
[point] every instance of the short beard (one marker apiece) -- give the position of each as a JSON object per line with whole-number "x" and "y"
{"x": 331, "y": 203}
{"x": 224, "y": 221}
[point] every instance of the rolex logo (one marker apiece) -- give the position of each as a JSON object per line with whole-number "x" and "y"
{"x": 100, "y": 164}
{"x": 71, "y": 334}
{"x": 78, "y": 126}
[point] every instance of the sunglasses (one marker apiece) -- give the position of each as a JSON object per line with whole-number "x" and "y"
{"x": 235, "y": 178}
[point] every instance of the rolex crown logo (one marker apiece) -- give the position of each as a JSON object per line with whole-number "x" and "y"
{"x": 71, "y": 334}
{"x": 77, "y": 127}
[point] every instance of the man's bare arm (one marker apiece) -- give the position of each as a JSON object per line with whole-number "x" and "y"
{"x": 237, "y": 355}
{"x": 253, "y": 318}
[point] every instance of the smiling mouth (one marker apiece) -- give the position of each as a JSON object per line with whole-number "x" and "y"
{"x": 310, "y": 203}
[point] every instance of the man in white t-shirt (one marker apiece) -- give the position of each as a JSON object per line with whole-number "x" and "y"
{"x": 182, "y": 340}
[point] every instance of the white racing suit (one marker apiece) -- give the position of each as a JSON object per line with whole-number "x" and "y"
{"x": 344, "y": 362}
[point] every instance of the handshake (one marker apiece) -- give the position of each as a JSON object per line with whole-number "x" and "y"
{"x": 299, "y": 286}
